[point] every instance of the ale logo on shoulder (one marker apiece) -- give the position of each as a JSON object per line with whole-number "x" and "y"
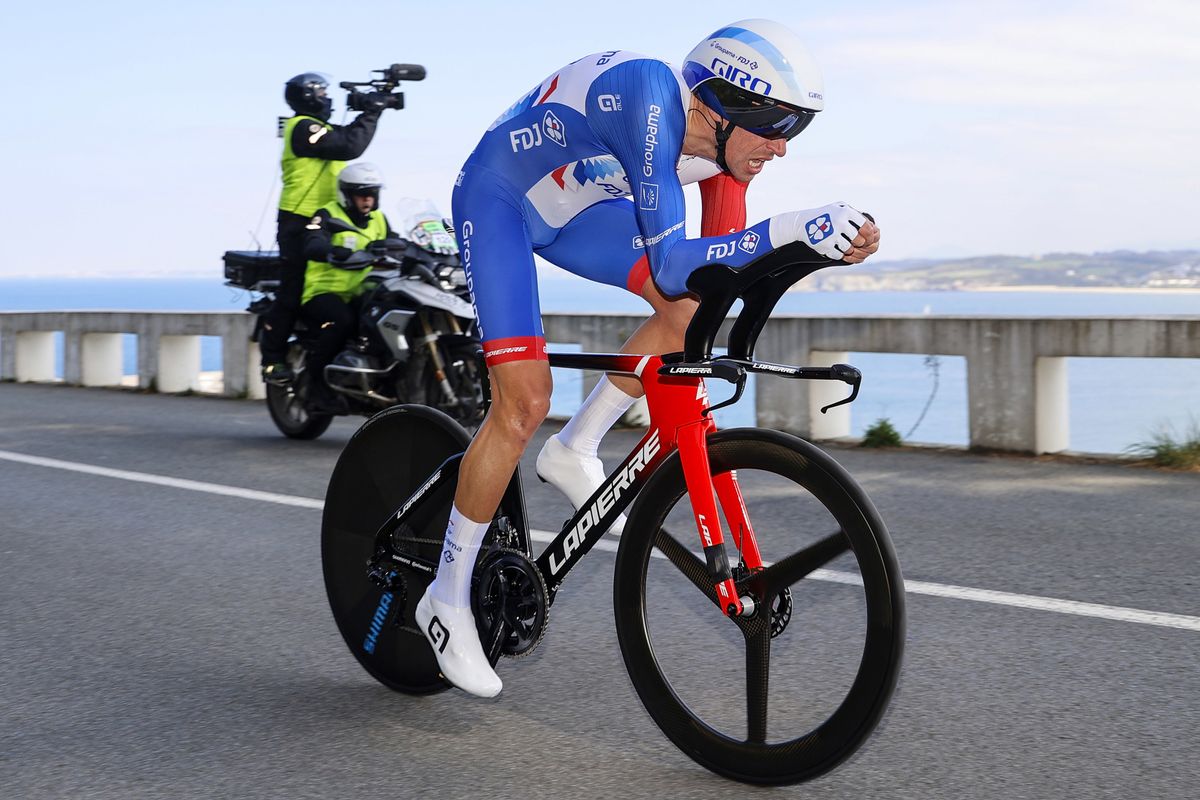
{"x": 554, "y": 129}
{"x": 609, "y": 102}
{"x": 819, "y": 229}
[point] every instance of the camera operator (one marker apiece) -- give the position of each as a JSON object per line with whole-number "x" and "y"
{"x": 314, "y": 153}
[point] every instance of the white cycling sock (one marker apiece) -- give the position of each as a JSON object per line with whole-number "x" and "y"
{"x": 604, "y": 406}
{"x": 452, "y": 585}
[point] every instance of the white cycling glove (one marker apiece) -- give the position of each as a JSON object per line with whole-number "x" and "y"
{"x": 829, "y": 229}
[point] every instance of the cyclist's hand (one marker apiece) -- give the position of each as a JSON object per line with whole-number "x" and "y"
{"x": 830, "y": 230}
{"x": 863, "y": 245}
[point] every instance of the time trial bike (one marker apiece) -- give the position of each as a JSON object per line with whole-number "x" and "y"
{"x": 793, "y": 606}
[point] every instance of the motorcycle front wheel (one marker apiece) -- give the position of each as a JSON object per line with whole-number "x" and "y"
{"x": 461, "y": 374}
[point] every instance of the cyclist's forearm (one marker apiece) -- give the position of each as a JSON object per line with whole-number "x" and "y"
{"x": 672, "y": 266}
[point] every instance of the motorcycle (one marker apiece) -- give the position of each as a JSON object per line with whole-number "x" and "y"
{"x": 416, "y": 340}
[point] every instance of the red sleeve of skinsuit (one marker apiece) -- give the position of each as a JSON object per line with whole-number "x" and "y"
{"x": 722, "y": 204}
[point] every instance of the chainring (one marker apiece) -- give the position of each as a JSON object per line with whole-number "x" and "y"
{"x": 511, "y": 603}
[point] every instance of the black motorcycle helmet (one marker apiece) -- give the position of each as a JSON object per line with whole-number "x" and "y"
{"x": 308, "y": 94}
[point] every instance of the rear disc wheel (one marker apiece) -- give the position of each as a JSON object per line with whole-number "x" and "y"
{"x": 382, "y": 465}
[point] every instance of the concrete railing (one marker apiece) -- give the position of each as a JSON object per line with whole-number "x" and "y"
{"x": 1016, "y": 368}
{"x": 168, "y": 348}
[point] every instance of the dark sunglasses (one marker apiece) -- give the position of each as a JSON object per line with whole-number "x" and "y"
{"x": 758, "y": 115}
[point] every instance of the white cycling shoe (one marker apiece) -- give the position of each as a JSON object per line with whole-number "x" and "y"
{"x": 451, "y": 631}
{"x": 575, "y": 475}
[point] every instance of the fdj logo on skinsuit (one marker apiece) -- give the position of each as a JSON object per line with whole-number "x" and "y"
{"x": 819, "y": 229}
{"x": 526, "y": 138}
{"x": 748, "y": 243}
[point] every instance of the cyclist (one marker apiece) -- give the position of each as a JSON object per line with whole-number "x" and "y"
{"x": 586, "y": 170}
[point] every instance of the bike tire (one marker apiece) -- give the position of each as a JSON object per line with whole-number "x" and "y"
{"x": 781, "y": 464}
{"x": 286, "y": 407}
{"x": 386, "y": 460}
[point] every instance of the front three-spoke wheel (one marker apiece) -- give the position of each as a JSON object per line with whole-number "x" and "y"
{"x": 791, "y": 691}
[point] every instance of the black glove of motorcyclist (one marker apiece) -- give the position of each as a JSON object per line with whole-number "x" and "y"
{"x": 339, "y": 253}
{"x": 378, "y": 247}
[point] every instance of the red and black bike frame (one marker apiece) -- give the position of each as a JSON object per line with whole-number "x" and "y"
{"x": 679, "y": 420}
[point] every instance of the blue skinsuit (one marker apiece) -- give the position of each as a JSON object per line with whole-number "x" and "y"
{"x": 586, "y": 171}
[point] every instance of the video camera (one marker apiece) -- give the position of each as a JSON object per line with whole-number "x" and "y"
{"x": 383, "y": 94}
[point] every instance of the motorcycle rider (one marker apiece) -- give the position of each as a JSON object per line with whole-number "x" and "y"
{"x": 328, "y": 301}
{"x": 314, "y": 153}
{"x": 551, "y": 176}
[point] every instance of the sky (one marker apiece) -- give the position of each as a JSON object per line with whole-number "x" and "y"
{"x": 141, "y": 136}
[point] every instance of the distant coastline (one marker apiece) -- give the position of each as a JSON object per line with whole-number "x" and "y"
{"x": 1088, "y": 289}
{"x": 1031, "y": 287}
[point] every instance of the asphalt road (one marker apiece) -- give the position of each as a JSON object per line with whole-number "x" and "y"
{"x": 159, "y": 641}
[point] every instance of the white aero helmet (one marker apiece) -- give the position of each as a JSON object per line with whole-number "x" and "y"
{"x": 758, "y": 75}
{"x": 359, "y": 178}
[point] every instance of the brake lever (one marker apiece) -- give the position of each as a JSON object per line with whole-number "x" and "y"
{"x": 846, "y": 374}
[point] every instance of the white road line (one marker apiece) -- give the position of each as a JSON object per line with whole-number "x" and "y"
{"x": 161, "y": 480}
{"x": 1072, "y": 607}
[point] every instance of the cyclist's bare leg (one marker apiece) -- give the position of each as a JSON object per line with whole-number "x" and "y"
{"x": 569, "y": 460}
{"x": 661, "y": 333}
{"x": 520, "y": 401}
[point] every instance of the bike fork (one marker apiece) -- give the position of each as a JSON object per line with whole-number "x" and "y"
{"x": 703, "y": 490}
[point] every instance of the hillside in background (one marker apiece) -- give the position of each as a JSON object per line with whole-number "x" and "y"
{"x": 1118, "y": 269}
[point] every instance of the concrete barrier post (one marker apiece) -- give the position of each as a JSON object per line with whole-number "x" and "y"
{"x": 100, "y": 359}
{"x": 836, "y": 422}
{"x": 1002, "y": 385}
{"x": 1053, "y": 409}
{"x": 148, "y": 333}
{"x": 255, "y": 388}
{"x": 8, "y": 355}
{"x": 780, "y": 403}
{"x": 178, "y": 364}
{"x": 72, "y": 357}
{"x": 239, "y": 358}
{"x": 35, "y": 356}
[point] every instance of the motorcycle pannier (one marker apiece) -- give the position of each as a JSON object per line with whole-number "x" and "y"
{"x": 247, "y": 269}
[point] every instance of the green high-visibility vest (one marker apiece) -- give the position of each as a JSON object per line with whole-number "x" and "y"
{"x": 321, "y": 277}
{"x": 308, "y": 183}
